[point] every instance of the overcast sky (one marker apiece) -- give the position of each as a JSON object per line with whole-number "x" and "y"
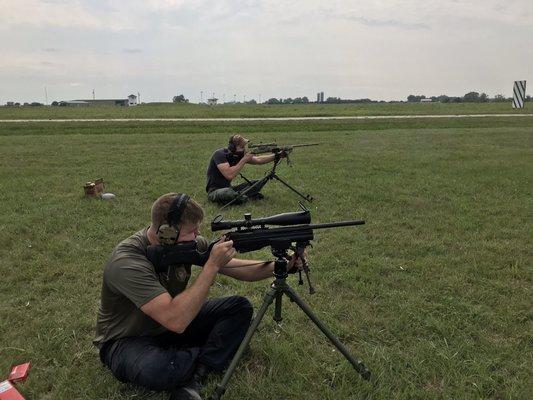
{"x": 380, "y": 49}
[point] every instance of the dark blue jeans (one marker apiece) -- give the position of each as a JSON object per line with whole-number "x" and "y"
{"x": 167, "y": 361}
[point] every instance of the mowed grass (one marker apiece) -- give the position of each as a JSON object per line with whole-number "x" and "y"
{"x": 433, "y": 293}
{"x": 170, "y": 110}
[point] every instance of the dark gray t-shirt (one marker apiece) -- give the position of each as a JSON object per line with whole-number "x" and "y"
{"x": 215, "y": 179}
{"x": 130, "y": 281}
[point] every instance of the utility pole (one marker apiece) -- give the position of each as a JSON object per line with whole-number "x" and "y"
{"x": 45, "y": 96}
{"x": 201, "y": 96}
{"x": 93, "y": 94}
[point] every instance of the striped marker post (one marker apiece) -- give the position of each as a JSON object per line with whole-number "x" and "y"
{"x": 519, "y": 94}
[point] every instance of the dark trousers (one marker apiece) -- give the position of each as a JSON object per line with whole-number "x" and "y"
{"x": 245, "y": 185}
{"x": 167, "y": 361}
{"x": 225, "y": 195}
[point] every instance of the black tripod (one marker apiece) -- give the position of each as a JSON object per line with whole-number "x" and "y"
{"x": 276, "y": 291}
{"x": 262, "y": 182}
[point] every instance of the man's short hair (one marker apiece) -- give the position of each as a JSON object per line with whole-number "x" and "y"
{"x": 192, "y": 213}
{"x": 238, "y": 140}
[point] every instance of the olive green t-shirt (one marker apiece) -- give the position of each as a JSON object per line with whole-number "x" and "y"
{"x": 130, "y": 281}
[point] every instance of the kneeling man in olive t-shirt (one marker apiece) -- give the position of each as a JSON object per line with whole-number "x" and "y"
{"x": 155, "y": 330}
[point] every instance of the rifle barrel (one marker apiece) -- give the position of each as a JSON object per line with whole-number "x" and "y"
{"x": 294, "y": 228}
{"x": 304, "y": 145}
{"x": 336, "y": 224}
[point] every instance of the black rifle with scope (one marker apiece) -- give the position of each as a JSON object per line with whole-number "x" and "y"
{"x": 277, "y": 150}
{"x": 294, "y": 231}
{"x": 262, "y": 148}
{"x": 295, "y": 228}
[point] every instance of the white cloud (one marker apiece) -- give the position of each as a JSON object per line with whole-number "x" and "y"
{"x": 44, "y": 13}
{"x": 120, "y": 14}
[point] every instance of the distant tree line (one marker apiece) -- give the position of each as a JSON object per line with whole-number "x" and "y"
{"x": 470, "y": 97}
{"x": 251, "y": 101}
{"x": 17, "y": 104}
{"x": 338, "y": 100}
{"x": 289, "y": 100}
{"x": 330, "y": 100}
{"x": 180, "y": 99}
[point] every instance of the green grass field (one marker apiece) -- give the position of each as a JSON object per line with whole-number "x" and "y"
{"x": 262, "y": 110}
{"x": 433, "y": 293}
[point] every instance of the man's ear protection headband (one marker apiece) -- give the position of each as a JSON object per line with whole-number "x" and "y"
{"x": 168, "y": 233}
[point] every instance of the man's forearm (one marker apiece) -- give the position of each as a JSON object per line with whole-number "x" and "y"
{"x": 248, "y": 270}
{"x": 265, "y": 159}
{"x": 263, "y": 271}
{"x": 234, "y": 171}
{"x": 187, "y": 304}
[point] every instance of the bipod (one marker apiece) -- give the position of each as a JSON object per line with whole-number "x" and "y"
{"x": 263, "y": 181}
{"x": 277, "y": 289}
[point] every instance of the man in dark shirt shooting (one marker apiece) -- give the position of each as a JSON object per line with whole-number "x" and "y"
{"x": 225, "y": 165}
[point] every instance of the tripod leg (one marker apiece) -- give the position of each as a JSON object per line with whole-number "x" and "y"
{"x": 244, "y": 192}
{"x": 221, "y": 387}
{"x": 308, "y": 197}
{"x": 358, "y": 365}
{"x": 277, "y": 307}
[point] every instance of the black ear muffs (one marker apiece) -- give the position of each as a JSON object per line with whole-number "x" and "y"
{"x": 168, "y": 233}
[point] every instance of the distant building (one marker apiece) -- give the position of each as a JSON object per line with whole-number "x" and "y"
{"x": 10, "y": 104}
{"x": 105, "y": 102}
{"x": 426, "y": 100}
{"x": 212, "y": 102}
{"x": 320, "y": 97}
{"x": 74, "y": 103}
{"x": 132, "y": 100}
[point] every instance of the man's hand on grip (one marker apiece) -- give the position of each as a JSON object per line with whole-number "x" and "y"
{"x": 247, "y": 157}
{"x": 222, "y": 253}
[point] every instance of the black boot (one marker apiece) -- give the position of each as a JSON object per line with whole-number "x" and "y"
{"x": 191, "y": 390}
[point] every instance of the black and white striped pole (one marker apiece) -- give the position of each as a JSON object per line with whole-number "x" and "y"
{"x": 519, "y": 94}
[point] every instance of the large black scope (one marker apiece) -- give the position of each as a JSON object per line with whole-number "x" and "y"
{"x": 292, "y": 218}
